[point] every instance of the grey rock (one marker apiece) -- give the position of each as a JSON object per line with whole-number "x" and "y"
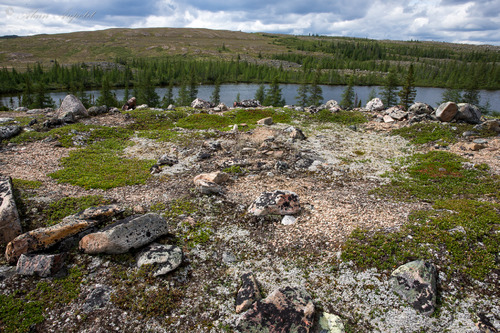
{"x": 480, "y": 141}
{"x": 7, "y": 132}
{"x": 397, "y": 113}
{"x": 5, "y": 120}
{"x": 296, "y": 133}
{"x": 266, "y": 121}
{"x": 201, "y": 104}
{"x": 248, "y": 103}
{"x": 123, "y": 237}
{"x": 41, "y": 265}
{"x": 167, "y": 160}
{"x": 97, "y": 110}
{"x": 73, "y": 105}
{"x": 288, "y": 220}
{"x": 281, "y": 166}
{"x": 277, "y": 202}
{"x": 375, "y": 105}
{"x": 446, "y": 111}
{"x": 469, "y": 133}
{"x": 330, "y": 323}
{"x": 468, "y": 113}
{"x": 208, "y": 187}
{"x": 99, "y": 297}
{"x": 10, "y": 224}
{"x": 67, "y": 117}
{"x": 21, "y": 109}
{"x": 416, "y": 283}
{"x": 421, "y": 108}
{"x": 248, "y": 293}
{"x": 166, "y": 258}
{"x": 7, "y": 272}
{"x": 304, "y": 162}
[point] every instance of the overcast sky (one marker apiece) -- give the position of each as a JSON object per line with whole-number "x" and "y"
{"x": 476, "y": 22}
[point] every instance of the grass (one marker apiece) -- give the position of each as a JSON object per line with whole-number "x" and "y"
{"x": 429, "y": 235}
{"x": 26, "y": 184}
{"x": 69, "y": 206}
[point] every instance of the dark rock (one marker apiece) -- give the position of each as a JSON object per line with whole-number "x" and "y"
{"x": 7, "y": 132}
{"x": 201, "y": 104}
{"x": 421, "y": 109}
{"x": 53, "y": 122}
{"x": 277, "y": 202}
{"x": 248, "y": 293}
{"x": 67, "y": 117}
{"x": 167, "y": 160}
{"x": 97, "y": 110}
{"x": 484, "y": 324}
{"x": 33, "y": 122}
{"x": 10, "y": 224}
{"x": 130, "y": 105}
{"x": 203, "y": 156}
{"x": 446, "y": 111}
{"x": 289, "y": 310}
{"x": 296, "y": 133}
{"x": 155, "y": 169}
{"x": 416, "y": 283}
{"x": 40, "y": 264}
{"x": 71, "y": 104}
{"x": 247, "y": 103}
{"x": 98, "y": 298}
{"x": 166, "y": 258}
{"x": 304, "y": 162}
{"x": 281, "y": 166}
{"x": 212, "y": 145}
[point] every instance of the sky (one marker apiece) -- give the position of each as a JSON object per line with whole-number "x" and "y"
{"x": 457, "y": 21}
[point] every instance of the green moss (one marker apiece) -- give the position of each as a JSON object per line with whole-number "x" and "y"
{"x": 100, "y": 166}
{"x": 196, "y": 233}
{"x": 18, "y": 315}
{"x": 203, "y": 121}
{"x": 463, "y": 233}
{"x": 26, "y": 184}
{"x": 69, "y": 206}
{"x": 154, "y": 120}
{"x": 234, "y": 169}
{"x": 59, "y": 291}
{"x": 179, "y": 207}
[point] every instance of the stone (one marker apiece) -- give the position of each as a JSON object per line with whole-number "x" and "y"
{"x": 484, "y": 324}
{"x": 475, "y": 146}
{"x": 10, "y": 131}
{"x": 288, "y": 220}
{"x": 421, "y": 108}
{"x": 212, "y": 145}
{"x": 166, "y": 258}
{"x": 10, "y": 224}
{"x": 446, "y": 111}
{"x": 266, "y": 121}
{"x": 67, "y": 117}
{"x": 222, "y": 107}
{"x": 296, "y": 133}
{"x": 42, "y": 265}
{"x": 304, "y": 162}
{"x": 247, "y": 103}
{"x": 281, "y": 166}
{"x": 288, "y": 309}
{"x": 73, "y": 105}
{"x": 248, "y": 293}
{"x": 216, "y": 177}
{"x": 99, "y": 296}
{"x": 7, "y": 272}
{"x": 6, "y": 120}
{"x": 397, "y": 113}
{"x": 375, "y": 105}
{"x": 167, "y": 160}
{"x": 123, "y": 237}
{"x": 33, "y": 122}
{"x": 416, "y": 283}
{"x": 470, "y": 133}
{"x": 277, "y": 202}
{"x": 330, "y": 323}
{"x": 21, "y": 109}
{"x": 97, "y": 110}
{"x": 468, "y": 113}
{"x": 171, "y": 107}
{"x": 331, "y": 104}
{"x": 388, "y": 119}
{"x": 130, "y": 105}
{"x": 43, "y": 238}
{"x": 492, "y": 125}
{"x": 207, "y": 187}
{"x": 201, "y": 104}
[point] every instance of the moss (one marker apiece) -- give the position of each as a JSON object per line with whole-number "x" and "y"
{"x": 69, "y": 206}
{"x": 18, "y": 315}
{"x": 234, "y": 169}
{"x": 341, "y": 117}
{"x": 26, "y": 184}
{"x": 178, "y": 207}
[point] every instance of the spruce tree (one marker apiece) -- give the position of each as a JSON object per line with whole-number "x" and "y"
{"x": 148, "y": 91}
{"x": 106, "y": 96}
{"x": 302, "y": 94}
{"x": 389, "y": 95}
{"x": 260, "y": 94}
{"x": 215, "y": 98}
{"x": 169, "y": 95}
{"x": 42, "y": 100}
{"x": 471, "y": 93}
{"x": 348, "y": 96}
{"x": 316, "y": 93}
{"x": 183, "y": 98}
{"x": 193, "y": 88}
{"x": 27, "y": 99}
{"x": 273, "y": 95}
{"x": 451, "y": 95}
{"x": 372, "y": 95}
{"x": 408, "y": 92}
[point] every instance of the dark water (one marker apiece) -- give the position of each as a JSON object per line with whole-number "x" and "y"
{"x": 229, "y": 92}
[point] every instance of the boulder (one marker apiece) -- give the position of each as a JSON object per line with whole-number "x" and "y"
{"x": 330, "y": 323}
{"x": 73, "y": 105}
{"x": 40, "y": 264}
{"x": 375, "y": 105}
{"x": 10, "y": 224}
{"x": 468, "y": 113}
{"x": 22, "y": 109}
{"x": 222, "y": 107}
{"x": 217, "y": 177}
{"x": 6, "y": 120}
{"x": 248, "y": 293}
{"x": 201, "y": 104}
{"x": 167, "y": 160}
{"x": 295, "y": 133}
{"x": 492, "y": 125}
{"x": 123, "y": 237}
{"x": 397, "y": 113}
{"x": 421, "y": 108}
{"x": 446, "y": 111}
{"x": 416, "y": 283}
{"x": 7, "y": 132}
{"x": 247, "y": 103}
{"x": 130, "y": 105}
{"x": 286, "y": 309}
{"x": 166, "y": 258}
{"x": 266, "y": 121}
{"x": 388, "y": 119}
{"x": 331, "y": 104}
{"x": 97, "y": 110}
{"x": 42, "y": 238}
{"x": 277, "y": 202}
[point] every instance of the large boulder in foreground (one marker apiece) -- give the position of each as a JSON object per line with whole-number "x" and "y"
{"x": 71, "y": 105}
{"x": 277, "y": 202}
{"x": 416, "y": 283}
{"x": 286, "y": 309}
{"x": 468, "y": 113}
{"x": 123, "y": 237}
{"x": 10, "y": 224}
{"x": 446, "y": 111}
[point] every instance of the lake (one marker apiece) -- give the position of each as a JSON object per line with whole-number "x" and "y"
{"x": 228, "y": 93}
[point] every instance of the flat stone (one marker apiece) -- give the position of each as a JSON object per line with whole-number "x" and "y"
{"x": 207, "y": 187}
{"x": 288, "y": 220}
{"x": 248, "y": 293}
{"x": 277, "y": 202}
{"x": 41, "y": 264}
{"x": 166, "y": 258}
{"x": 217, "y": 177}
{"x": 10, "y": 224}
{"x": 388, "y": 119}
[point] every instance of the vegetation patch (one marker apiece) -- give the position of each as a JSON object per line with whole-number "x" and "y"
{"x": 462, "y": 236}
{"x": 100, "y": 166}
{"x": 18, "y": 315}
{"x": 439, "y": 175}
{"x": 26, "y": 184}
{"x": 69, "y": 206}
{"x": 155, "y": 120}
{"x": 341, "y": 117}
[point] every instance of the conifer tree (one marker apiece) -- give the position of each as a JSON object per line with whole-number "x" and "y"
{"x": 273, "y": 95}
{"x": 146, "y": 91}
{"x": 193, "y": 88}
{"x": 42, "y": 100}
{"x": 372, "y": 95}
{"x": 451, "y": 95}
{"x": 408, "y": 92}
{"x": 183, "y": 98}
{"x": 260, "y": 94}
{"x": 215, "y": 98}
{"x": 389, "y": 95}
{"x": 316, "y": 93}
{"x": 27, "y": 99}
{"x": 348, "y": 96}
{"x": 471, "y": 93}
{"x": 169, "y": 95}
{"x": 106, "y": 97}
{"x": 302, "y": 94}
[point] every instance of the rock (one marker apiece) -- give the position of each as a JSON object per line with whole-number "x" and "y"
{"x": 277, "y": 202}
{"x": 123, "y": 237}
{"x": 281, "y": 166}
{"x": 7, "y": 132}
{"x": 142, "y": 107}
{"x": 296, "y": 133}
{"x": 289, "y": 310}
{"x": 248, "y": 293}
{"x": 42, "y": 238}
{"x": 7, "y": 272}
{"x": 446, "y": 111}
{"x": 154, "y": 169}
{"x": 212, "y": 145}
{"x": 416, "y": 283}
{"x": 331, "y": 104}
{"x": 67, "y": 117}
{"x": 171, "y": 107}
{"x": 421, "y": 108}
{"x": 5, "y": 120}
{"x": 375, "y": 105}
{"x": 330, "y": 323}
{"x": 33, "y": 122}
{"x": 388, "y": 119}
{"x": 247, "y": 103}
{"x": 207, "y": 187}
{"x": 130, "y": 105}
{"x": 266, "y": 121}
{"x": 468, "y": 113}
{"x": 97, "y": 298}
{"x": 217, "y": 177}
{"x": 167, "y": 160}
{"x": 166, "y": 258}
{"x": 484, "y": 324}
{"x": 475, "y": 146}
{"x": 53, "y": 122}
{"x": 288, "y": 220}
{"x": 201, "y": 104}
{"x": 470, "y": 133}
{"x": 21, "y": 109}
{"x": 222, "y": 107}
{"x": 492, "y": 125}
{"x": 72, "y": 105}
{"x": 397, "y": 113}
{"x": 97, "y": 110}
{"x": 304, "y": 162}
{"x": 41, "y": 264}
{"x": 10, "y": 224}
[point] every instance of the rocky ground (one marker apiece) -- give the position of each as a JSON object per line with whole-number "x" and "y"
{"x": 333, "y": 171}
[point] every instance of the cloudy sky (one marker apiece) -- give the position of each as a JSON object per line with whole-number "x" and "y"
{"x": 462, "y": 21}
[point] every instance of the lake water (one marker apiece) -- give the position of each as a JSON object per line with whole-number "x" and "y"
{"x": 229, "y": 92}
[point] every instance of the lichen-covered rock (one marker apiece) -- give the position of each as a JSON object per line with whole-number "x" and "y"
{"x": 215, "y": 177}
{"x": 397, "y": 113}
{"x": 330, "y": 323}
{"x": 165, "y": 159}
{"x": 248, "y": 293}
{"x": 296, "y": 133}
{"x": 99, "y": 296}
{"x": 277, "y": 202}
{"x": 416, "y": 283}
{"x": 492, "y": 125}
{"x": 207, "y": 187}
{"x": 166, "y": 258}
{"x": 97, "y": 110}
{"x": 42, "y": 238}
{"x": 468, "y": 113}
{"x": 266, "y": 121}
{"x": 72, "y": 105}
{"x": 289, "y": 310}
{"x": 446, "y": 111}
{"x": 10, "y": 225}
{"x": 10, "y": 131}
{"x": 421, "y": 108}
{"x": 41, "y": 265}
{"x": 375, "y": 105}
{"x": 123, "y": 237}
{"x": 201, "y": 104}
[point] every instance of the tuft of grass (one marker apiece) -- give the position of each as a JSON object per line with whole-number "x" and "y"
{"x": 462, "y": 236}
{"x": 26, "y": 184}
{"x": 439, "y": 175}
{"x": 234, "y": 169}
{"x": 100, "y": 166}
{"x": 69, "y": 206}
{"x": 342, "y": 117}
